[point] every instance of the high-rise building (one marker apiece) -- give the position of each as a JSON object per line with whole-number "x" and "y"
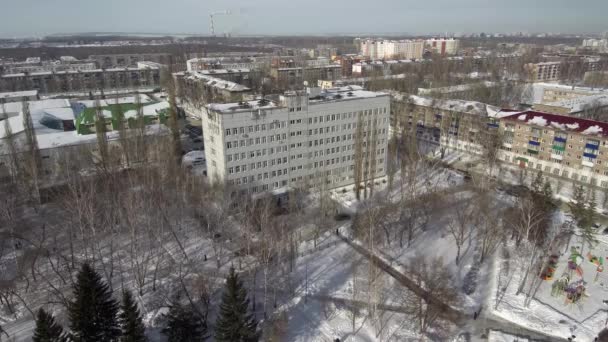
{"x": 391, "y": 49}
{"x": 304, "y": 138}
{"x": 443, "y": 46}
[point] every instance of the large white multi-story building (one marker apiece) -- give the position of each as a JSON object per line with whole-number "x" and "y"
{"x": 302, "y": 139}
{"x": 443, "y": 46}
{"x": 389, "y": 49}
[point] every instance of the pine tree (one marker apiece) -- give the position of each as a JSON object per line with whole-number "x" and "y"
{"x": 590, "y": 210}
{"x": 93, "y": 311}
{"x": 47, "y": 330}
{"x": 547, "y": 191}
{"x": 537, "y": 184}
{"x": 235, "y": 323}
{"x": 577, "y": 206}
{"x": 184, "y": 325}
{"x": 130, "y": 320}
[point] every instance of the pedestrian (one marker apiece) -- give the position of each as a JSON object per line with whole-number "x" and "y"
{"x": 337, "y": 231}
{"x": 475, "y": 315}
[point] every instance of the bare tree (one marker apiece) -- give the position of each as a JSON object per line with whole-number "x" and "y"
{"x": 433, "y": 277}
{"x": 461, "y": 224}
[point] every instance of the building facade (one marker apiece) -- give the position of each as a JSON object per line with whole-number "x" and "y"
{"x": 286, "y": 77}
{"x": 443, "y": 46}
{"x": 129, "y": 60}
{"x": 390, "y": 49}
{"x": 558, "y": 145}
{"x": 304, "y": 138}
{"x": 544, "y": 72}
{"x": 82, "y": 81}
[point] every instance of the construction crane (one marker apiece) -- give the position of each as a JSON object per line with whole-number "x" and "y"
{"x": 211, "y": 23}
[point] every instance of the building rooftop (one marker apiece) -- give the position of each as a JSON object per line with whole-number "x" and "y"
{"x": 223, "y": 71}
{"x": 323, "y": 96}
{"x": 561, "y": 122}
{"x": 215, "y": 82}
{"x": 582, "y": 103}
{"x": 463, "y": 106}
{"x": 43, "y": 73}
{"x": 17, "y": 94}
{"x": 313, "y": 67}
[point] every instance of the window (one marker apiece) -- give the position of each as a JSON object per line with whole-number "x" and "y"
{"x": 227, "y": 131}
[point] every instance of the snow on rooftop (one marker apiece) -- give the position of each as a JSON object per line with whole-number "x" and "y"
{"x": 61, "y": 113}
{"x": 149, "y": 110}
{"x": 469, "y": 107}
{"x": 334, "y": 94}
{"x": 583, "y": 126}
{"x": 579, "y": 104}
{"x": 15, "y": 124}
{"x": 35, "y": 106}
{"x": 18, "y": 94}
{"x": 121, "y": 100}
{"x": 216, "y": 82}
{"x": 593, "y": 130}
{"x": 538, "y": 121}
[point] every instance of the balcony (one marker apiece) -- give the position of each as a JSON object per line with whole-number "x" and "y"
{"x": 534, "y": 143}
{"x": 559, "y": 139}
{"x": 531, "y": 151}
{"x": 557, "y": 156}
{"x": 589, "y": 155}
{"x": 587, "y": 163}
{"x": 591, "y": 146}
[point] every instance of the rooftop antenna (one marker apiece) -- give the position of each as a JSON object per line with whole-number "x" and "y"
{"x": 212, "y": 24}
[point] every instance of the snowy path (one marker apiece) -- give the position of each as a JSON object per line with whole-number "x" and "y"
{"x": 454, "y": 315}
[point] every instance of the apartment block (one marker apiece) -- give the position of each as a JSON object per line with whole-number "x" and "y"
{"x": 558, "y": 145}
{"x": 544, "y": 72}
{"x": 82, "y": 81}
{"x": 389, "y": 49}
{"x": 455, "y": 124}
{"x": 295, "y": 76}
{"x": 129, "y": 60}
{"x": 304, "y": 138}
{"x": 443, "y": 46}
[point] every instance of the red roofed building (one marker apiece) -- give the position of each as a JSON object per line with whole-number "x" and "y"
{"x": 559, "y": 145}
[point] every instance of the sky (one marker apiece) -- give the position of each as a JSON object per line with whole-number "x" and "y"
{"x": 36, "y": 18}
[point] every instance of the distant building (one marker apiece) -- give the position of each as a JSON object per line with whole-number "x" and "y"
{"x": 232, "y": 63}
{"x": 143, "y": 76}
{"x": 600, "y": 45}
{"x": 198, "y": 89}
{"x": 544, "y": 72}
{"x": 295, "y": 76}
{"x": 391, "y": 49}
{"x": 443, "y": 46}
{"x": 30, "y": 65}
{"x": 303, "y": 139}
{"x": 575, "y": 106}
{"x": 129, "y": 60}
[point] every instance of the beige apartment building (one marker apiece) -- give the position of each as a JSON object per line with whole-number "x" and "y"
{"x": 558, "y": 145}
{"x": 456, "y": 124}
{"x": 544, "y": 72}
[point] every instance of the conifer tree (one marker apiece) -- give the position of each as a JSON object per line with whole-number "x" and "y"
{"x": 47, "y": 330}
{"x": 577, "y": 207}
{"x": 130, "y": 320}
{"x": 93, "y": 311}
{"x": 537, "y": 184}
{"x": 235, "y": 323}
{"x": 547, "y": 191}
{"x": 184, "y": 325}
